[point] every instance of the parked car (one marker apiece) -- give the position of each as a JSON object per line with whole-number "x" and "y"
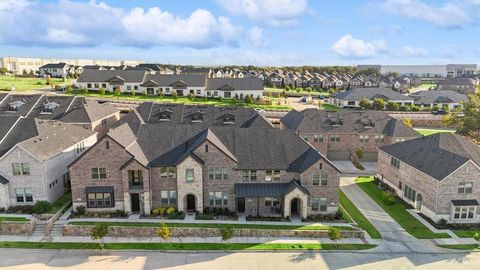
{"x": 439, "y": 112}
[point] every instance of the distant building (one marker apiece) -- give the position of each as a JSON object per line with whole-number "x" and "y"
{"x": 57, "y": 70}
{"x": 462, "y": 85}
{"x": 425, "y": 71}
{"x": 352, "y": 98}
{"x": 18, "y": 65}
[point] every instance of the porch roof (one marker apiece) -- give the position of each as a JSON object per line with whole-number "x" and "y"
{"x": 472, "y": 202}
{"x": 101, "y": 189}
{"x": 3, "y": 180}
{"x": 267, "y": 189}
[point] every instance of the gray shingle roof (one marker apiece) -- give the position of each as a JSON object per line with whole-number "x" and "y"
{"x": 25, "y": 102}
{"x": 87, "y": 111}
{"x": 192, "y": 80}
{"x": 235, "y": 83}
{"x": 266, "y": 189}
{"x": 252, "y": 148}
{"x": 438, "y": 96}
{"x": 313, "y": 121}
{"x": 93, "y": 75}
{"x": 54, "y": 65}
{"x": 24, "y": 129}
{"x": 437, "y": 155}
{"x": 370, "y": 93}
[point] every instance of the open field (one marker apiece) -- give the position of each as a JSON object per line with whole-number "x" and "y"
{"x": 185, "y": 100}
{"x": 24, "y": 84}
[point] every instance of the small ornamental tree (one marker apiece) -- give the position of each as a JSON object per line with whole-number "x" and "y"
{"x": 334, "y": 235}
{"x": 378, "y": 104}
{"x": 248, "y": 99}
{"x": 164, "y": 232}
{"x": 226, "y": 233}
{"x": 116, "y": 91}
{"x": 364, "y": 103}
{"x": 69, "y": 89}
{"x": 392, "y": 106}
{"x": 102, "y": 91}
{"x": 84, "y": 90}
{"x": 476, "y": 236}
{"x": 359, "y": 153}
{"x": 175, "y": 95}
{"x": 98, "y": 233}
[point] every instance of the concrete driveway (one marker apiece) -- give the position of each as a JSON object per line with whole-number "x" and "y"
{"x": 347, "y": 167}
{"x": 395, "y": 238}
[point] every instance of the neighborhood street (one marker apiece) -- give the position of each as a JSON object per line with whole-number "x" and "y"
{"x": 77, "y": 259}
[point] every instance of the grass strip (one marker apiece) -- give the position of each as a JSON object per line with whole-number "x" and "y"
{"x": 211, "y": 225}
{"x": 186, "y": 246}
{"x": 397, "y": 211}
{"x": 359, "y": 218}
{"x": 17, "y": 219}
{"x": 472, "y": 247}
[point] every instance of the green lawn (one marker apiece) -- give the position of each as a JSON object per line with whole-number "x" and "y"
{"x": 465, "y": 233}
{"x": 19, "y": 219}
{"x": 398, "y": 212}
{"x": 210, "y": 225}
{"x": 345, "y": 215}
{"x": 23, "y": 84}
{"x": 185, "y": 100}
{"x": 294, "y": 92}
{"x": 359, "y": 218}
{"x": 471, "y": 247}
{"x": 427, "y": 131}
{"x": 60, "y": 202}
{"x": 185, "y": 246}
{"x": 330, "y": 107}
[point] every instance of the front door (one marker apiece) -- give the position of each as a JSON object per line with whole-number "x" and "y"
{"x": 135, "y": 202}
{"x": 150, "y": 91}
{"x": 180, "y": 93}
{"x": 191, "y": 203}
{"x": 294, "y": 207}
{"x": 241, "y": 205}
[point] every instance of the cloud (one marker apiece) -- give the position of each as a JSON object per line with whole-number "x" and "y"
{"x": 448, "y": 15}
{"x": 278, "y": 13}
{"x": 255, "y": 36}
{"x": 350, "y": 47}
{"x": 415, "y": 52}
{"x": 68, "y": 23}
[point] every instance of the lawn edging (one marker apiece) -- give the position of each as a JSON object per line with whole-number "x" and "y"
{"x": 199, "y": 230}
{"x": 397, "y": 211}
{"x": 188, "y": 246}
{"x": 357, "y": 216}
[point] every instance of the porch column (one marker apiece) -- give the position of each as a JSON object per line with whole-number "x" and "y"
{"x": 146, "y": 203}
{"x": 127, "y": 205}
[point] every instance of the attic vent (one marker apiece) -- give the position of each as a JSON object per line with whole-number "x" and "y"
{"x": 14, "y": 106}
{"x": 197, "y": 118}
{"x": 165, "y": 115}
{"x": 49, "y": 107}
{"x": 367, "y": 123}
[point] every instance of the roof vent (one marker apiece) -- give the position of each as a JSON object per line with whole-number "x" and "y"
{"x": 14, "y": 106}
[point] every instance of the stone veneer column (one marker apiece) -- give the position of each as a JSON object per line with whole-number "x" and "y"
{"x": 127, "y": 205}
{"x": 147, "y": 206}
{"x": 195, "y": 188}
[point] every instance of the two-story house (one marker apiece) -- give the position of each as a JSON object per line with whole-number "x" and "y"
{"x": 338, "y": 135}
{"x": 251, "y": 170}
{"x": 56, "y": 70}
{"x": 439, "y": 175}
{"x": 34, "y": 155}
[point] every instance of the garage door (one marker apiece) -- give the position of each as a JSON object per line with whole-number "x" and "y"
{"x": 370, "y": 156}
{"x": 338, "y": 155}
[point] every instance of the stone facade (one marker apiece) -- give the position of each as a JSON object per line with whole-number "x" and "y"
{"x": 114, "y": 231}
{"x": 433, "y": 197}
{"x": 17, "y": 228}
{"x": 203, "y": 158}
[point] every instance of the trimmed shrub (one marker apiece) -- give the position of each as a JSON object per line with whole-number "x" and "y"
{"x": 80, "y": 210}
{"x": 41, "y": 207}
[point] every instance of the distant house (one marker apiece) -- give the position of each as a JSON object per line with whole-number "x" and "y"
{"x": 57, "y": 70}
{"x": 440, "y": 98}
{"x": 77, "y": 111}
{"x": 200, "y": 85}
{"x": 34, "y": 155}
{"x": 351, "y": 98}
{"x": 339, "y": 134}
{"x": 462, "y": 85}
{"x": 439, "y": 175}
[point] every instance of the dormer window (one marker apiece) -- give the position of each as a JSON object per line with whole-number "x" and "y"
{"x": 335, "y": 121}
{"x": 367, "y": 123}
{"x": 14, "y": 106}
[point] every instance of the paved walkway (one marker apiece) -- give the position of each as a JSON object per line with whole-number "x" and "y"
{"x": 394, "y": 237}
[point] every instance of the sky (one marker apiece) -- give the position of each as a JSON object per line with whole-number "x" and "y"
{"x": 245, "y": 32}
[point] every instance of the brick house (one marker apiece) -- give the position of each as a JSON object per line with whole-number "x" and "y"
{"x": 339, "y": 134}
{"x": 439, "y": 175}
{"x": 190, "y": 166}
